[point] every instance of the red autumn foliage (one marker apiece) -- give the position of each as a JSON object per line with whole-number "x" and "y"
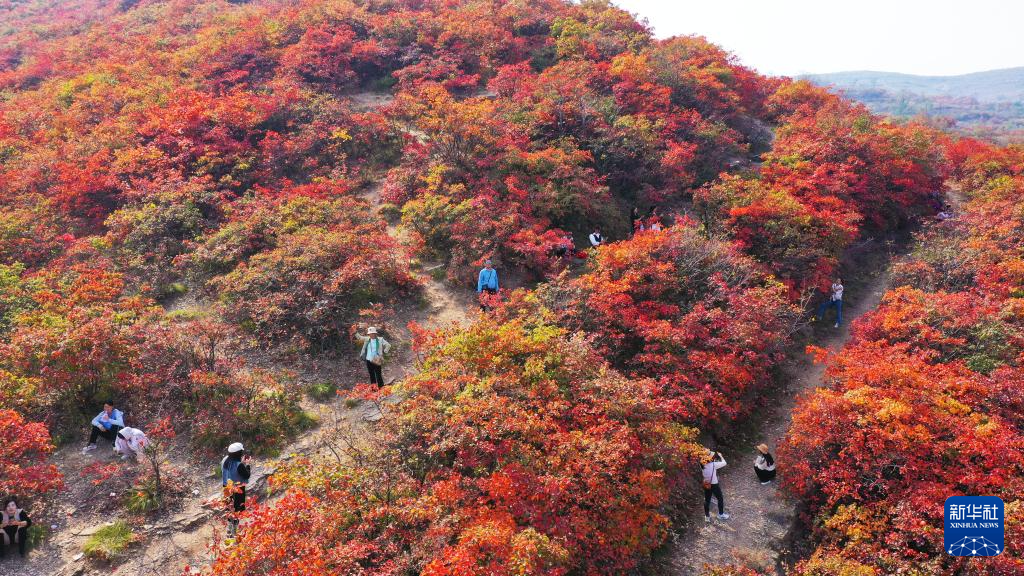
{"x": 927, "y": 397}
{"x": 23, "y": 452}
{"x": 151, "y": 147}
{"x": 834, "y": 170}
{"x": 553, "y": 461}
{"x": 692, "y": 313}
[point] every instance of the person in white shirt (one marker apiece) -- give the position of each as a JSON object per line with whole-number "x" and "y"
{"x": 595, "y": 238}
{"x": 130, "y": 442}
{"x": 712, "y": 464}
{"x": 834, "y": 301}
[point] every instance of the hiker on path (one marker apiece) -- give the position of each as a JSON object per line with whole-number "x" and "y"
{"x": 375, "y": 347}
{"x": 712, "y": 464}
{"x": 637, "y": 223}
{"x": 106, "y": 424}
{"x": 130, "y": 442}
{"x": 235, "y": 469}
{"x": 764, "y": 466}
{"x": 834, "y": 301}
{"x": 595, "y": 238}
{"x": 487, "y": 283}
{"x": 15, "y": 523}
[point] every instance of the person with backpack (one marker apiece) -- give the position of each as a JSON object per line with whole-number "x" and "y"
{"x": 764, "y": 465}
{"x": 14, "y": 523}
{"x": 235, "y": 470}
{"x": 486, "y": 283}
{"x": 835, "y": 301}
{"x": 375, "y": 347}
{"x": 106, "y": 424}
{"x": 713, "y": 462}
{"x": 130, "y": 442}
{"x": 595, "y": 238}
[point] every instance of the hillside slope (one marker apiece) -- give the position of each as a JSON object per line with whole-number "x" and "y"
{"x": 203, "y": 202}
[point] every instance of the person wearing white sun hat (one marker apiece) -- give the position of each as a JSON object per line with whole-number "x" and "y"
{"x": 373, "y": 351}
{"x": 235, "y": 471}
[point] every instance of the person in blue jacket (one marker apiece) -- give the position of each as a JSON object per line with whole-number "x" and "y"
{"x": 106, "y": 424}
{"x": 487, "y": 281}
{"x": 235, "y": 471}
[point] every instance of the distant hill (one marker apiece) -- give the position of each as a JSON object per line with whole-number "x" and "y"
{"x": 992, "y": 86}
{"x": 985, "y": 104}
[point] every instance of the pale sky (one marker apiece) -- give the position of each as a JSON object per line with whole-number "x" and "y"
{"x": 789, "y": 37}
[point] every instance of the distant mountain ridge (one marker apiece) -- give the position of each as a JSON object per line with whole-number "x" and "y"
{"x": 991, "y": 86}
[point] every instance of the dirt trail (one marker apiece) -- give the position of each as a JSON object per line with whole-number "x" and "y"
{"x": 182, "y": 536}
{"x": 756, "y": 535}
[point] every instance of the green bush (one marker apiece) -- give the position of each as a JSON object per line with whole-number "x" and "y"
{"x": 36, "y": 534}
{"x": 109, "y": 542}
{"x": 289, "y": 272}
{"x": 142, "y": 497}
{"x": 259, "y": 407}
{"x": 322, "y": 391}
{"x": 390, "y": 212}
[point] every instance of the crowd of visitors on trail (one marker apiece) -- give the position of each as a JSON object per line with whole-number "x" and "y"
{"x": 236, "y": 466}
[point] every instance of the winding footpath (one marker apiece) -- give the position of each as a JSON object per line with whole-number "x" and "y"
{"x": 758, "y": 533}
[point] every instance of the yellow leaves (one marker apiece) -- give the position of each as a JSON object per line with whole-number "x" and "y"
{"x": 987, "y": 429}
{"x": 91, "y": 83}
{"x": 434, "y": 178}
{"x": 952, "y": 406}
{"x": 632, "y": 66}
{"x": 893, "y": 410}
{"x": 855, "y": 523}
{"x": 831, "y": 564}
{"x": 275, "y": 32}
{"x": 532, "y": 551}
{"x": 341, "y": 134}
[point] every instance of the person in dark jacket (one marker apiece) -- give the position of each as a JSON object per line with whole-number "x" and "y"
{"x": 764, "y": 466}
{"x": 14, "y": 522}
{"x": 235, "y": 471}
